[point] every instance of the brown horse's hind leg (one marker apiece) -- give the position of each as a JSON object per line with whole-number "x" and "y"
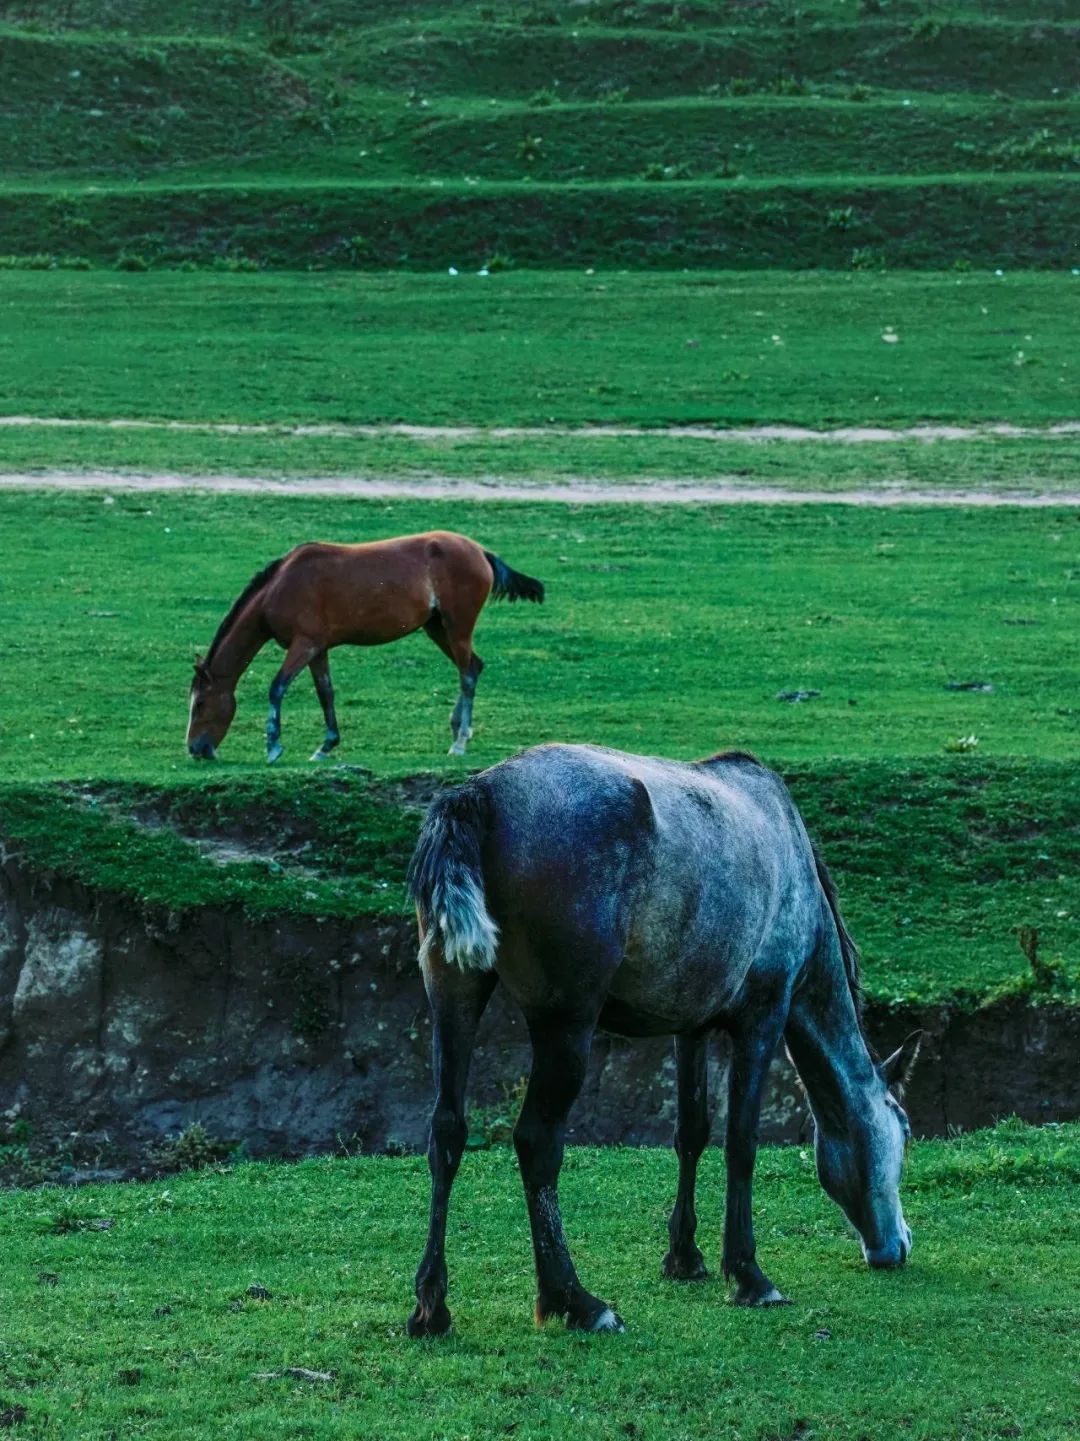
{"x": 684, "y": 1262}
{"x": 320, "y": 674}
{"x": 457, "y": 1000}
{"x": 459, "y": 649}
{"x": 297, "y": 657}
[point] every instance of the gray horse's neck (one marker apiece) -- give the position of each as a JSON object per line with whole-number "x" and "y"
{"x": 826, "y": 1043}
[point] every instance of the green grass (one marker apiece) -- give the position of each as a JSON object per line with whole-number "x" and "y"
{"x": 146, "y": 1328}
{"x": 334, "y": 137}
{"x": 669, "y": 631}
{"x": 911, "y": 222}
{"x": 534, "y": 348}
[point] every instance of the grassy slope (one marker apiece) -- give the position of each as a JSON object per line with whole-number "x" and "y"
{"x": 345, "y": 97}
{"x": 532, "y": 348}
{"x": 147, "y": 1330}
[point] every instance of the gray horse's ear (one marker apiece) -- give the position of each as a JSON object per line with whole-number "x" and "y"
{"x": 899, "y": 1066}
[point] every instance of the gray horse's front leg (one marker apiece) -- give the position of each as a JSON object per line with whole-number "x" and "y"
{"x": 684, "y": 1262}
{"x": 320, "y": 674}
{"x": 751, "y": 1053}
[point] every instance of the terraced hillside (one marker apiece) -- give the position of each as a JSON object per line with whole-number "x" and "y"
{"x": 643, "y": 134}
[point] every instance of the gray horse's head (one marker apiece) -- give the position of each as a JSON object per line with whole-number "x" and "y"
{"x": 860, "y": 1169}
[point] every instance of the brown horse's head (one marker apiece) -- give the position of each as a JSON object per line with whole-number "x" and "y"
{"x": 213, "y": 705}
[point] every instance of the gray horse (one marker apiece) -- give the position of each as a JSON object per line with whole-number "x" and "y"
{"x": 648, "y": 897}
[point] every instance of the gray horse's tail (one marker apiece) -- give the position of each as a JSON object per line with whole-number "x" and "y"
{"x": 849, "y": 951}
{"x": 511, "y": 584}
{"x": 446, "y": 879}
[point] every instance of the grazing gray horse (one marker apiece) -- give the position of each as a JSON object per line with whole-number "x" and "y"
{"x": 648, "y": 897}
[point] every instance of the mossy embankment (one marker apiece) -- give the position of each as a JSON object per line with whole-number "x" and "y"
{"x": 941, "y": 863}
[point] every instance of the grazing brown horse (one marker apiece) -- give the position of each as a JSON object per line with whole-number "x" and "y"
{"x": 319, "y": 596}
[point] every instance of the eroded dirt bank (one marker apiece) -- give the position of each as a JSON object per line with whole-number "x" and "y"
{"x": 117, "y": 1029}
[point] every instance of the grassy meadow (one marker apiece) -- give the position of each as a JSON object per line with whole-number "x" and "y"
{"x": 173, "y": 1307}
{"x": 236, "y": 227}
{"x": 670, "y": 630}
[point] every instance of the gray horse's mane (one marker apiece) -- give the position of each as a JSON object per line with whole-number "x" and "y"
{"x": 255, "y": 584}
{"x": 849, "y": 951}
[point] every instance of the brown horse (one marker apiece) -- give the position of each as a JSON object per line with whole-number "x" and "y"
{"x": 319, "y": 596}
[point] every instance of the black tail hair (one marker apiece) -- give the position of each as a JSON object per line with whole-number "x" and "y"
{"x": 849, "y": 951}
{"x": 511, "y": 584}
{"x": 446, "y": 879}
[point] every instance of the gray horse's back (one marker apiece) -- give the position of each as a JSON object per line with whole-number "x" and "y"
{"x": 670, "y": 883}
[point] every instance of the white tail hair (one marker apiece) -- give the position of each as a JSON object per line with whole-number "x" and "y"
{"x": 447, "y": 881}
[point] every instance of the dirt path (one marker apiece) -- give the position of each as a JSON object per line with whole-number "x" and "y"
{"x": 842, "y": 435}
{"x": 727, "y": 490}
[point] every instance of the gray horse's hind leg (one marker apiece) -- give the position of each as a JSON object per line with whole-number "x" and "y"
{"x": 324, "y": 689}
{"x": 684, "y": 1262}
{"x": 752, "y": 1051}
{"x": 457, "y": 999}
{"x": 560, "y": 1055}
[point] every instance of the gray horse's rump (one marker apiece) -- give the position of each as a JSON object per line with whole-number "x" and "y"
{"x": 673, "y": 882}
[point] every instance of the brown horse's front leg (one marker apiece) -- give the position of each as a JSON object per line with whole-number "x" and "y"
{"x": 320, "y": 674}
{"x": 297, "y": 657}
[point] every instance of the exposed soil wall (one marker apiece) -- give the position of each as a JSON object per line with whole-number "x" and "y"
{"x": 117, "y": 1029}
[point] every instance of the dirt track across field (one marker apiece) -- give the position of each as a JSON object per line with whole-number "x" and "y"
{"x": 841, "y": 435}
{"x": 722, "y": 490}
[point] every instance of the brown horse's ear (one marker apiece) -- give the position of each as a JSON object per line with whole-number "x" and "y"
{"x": 899, "y": 1066}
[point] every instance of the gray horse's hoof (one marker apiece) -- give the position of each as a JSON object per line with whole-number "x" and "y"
{"x": 772, "y": 1297}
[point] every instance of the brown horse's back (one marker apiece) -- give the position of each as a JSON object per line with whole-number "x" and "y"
{"x": 376, "y": 592}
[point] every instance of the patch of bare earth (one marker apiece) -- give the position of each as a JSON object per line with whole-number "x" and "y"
{"x": 726, "y": 490}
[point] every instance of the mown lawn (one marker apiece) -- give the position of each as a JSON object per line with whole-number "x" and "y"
{"x": 527, "y": 348}
{"x": 668, "y": 630}
{"x": 148, "y": 1327}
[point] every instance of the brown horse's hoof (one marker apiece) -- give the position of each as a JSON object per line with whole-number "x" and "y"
{"x": 274, "y": 753}
{"x": 685, "y": 1268}
{"x": 435, "y": 1322}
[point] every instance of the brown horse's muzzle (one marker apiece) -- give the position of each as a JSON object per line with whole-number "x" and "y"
{"x": 202, "y": 749}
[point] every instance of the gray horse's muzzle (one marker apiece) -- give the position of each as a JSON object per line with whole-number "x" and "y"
{"x": 203, "y": 749}
{"x": 892, "y": 1255}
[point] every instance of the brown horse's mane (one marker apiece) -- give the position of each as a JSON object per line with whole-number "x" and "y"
{"x": 255, "y": 584}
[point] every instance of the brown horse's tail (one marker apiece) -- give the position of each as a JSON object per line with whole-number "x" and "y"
{"x": 511, "y": 584}
{"x": 849, "y": 951}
